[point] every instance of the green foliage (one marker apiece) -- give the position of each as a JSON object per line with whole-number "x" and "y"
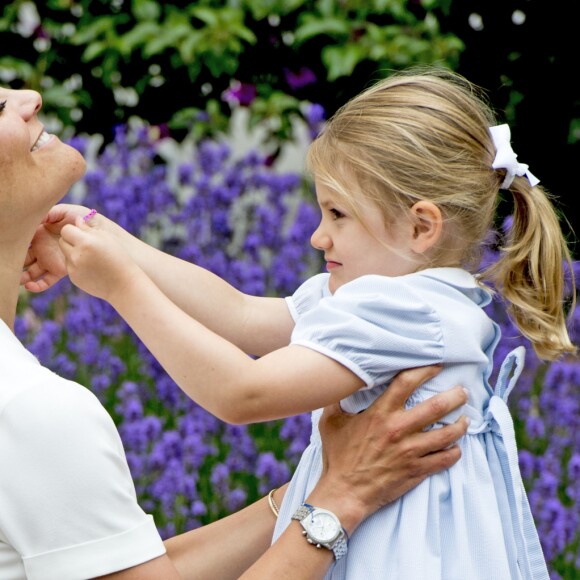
{"x": 176, "y": 62}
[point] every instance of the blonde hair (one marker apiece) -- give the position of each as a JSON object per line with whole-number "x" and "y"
{"x": 424, "y": 134}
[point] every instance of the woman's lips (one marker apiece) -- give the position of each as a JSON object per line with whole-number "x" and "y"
{"x": 42, "y": 140}
{"x": 330, "y": 265}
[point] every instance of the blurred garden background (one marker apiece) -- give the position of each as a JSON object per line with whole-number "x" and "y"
{"x": 194, "y": 118}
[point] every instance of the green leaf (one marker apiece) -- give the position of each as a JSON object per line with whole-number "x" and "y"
{"x": 243, "y": 32}
{"x": 574, "y": 133}
{"x": 140, "y": 34}
{"x": 59, "y": 97}
{"x": 100, "y": 26}
{"x": 21, "y": 69}
{"x": 167, "y": 37}
{"x": 190, "y": 46}
{"x": 207, "y": 15}
{"x": 341, "y": 60}
{"x": 326, "y": 7}
{"x": 146, "y": 9}
{"x": 314, "y": 26}
{"x": 264, "y": 8}
{"x": 93, "y": 50}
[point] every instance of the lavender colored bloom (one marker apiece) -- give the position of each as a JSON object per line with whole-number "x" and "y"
{"x": 21, "y": 327}
{"x": 297, "y": 80}
{"x": 219, "y": 478}
{"x": 315, "y": 117}
{"x": 271, "y": 472}
{"x": 535, "y": 427}
{"x": 574, "y": 467}
{"x": 43, "y": 344}
{"x": 240, "y": 93}
{"x": 527, "y": 464}
{"x": 236, "y": 499}
{"x": 198, "y": 508}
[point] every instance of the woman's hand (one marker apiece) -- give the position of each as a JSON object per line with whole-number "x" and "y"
{"x": 376, "y": 456}
{"x": 45, "y": 264}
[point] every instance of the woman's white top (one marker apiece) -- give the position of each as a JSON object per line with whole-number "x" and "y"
{"x": 473, "y": 521}
{"x": 68, "y": 508}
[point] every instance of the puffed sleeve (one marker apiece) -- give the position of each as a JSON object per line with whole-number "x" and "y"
{"x": 375, "y": 326}
{"x": 69, "y": 504}
{"x": 308, "y": 295}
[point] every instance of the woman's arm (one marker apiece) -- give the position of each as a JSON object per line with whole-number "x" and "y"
{"x": 370, "y": 459}
{"x": 226, "y": 548}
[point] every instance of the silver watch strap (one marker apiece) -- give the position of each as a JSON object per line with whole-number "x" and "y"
{"x": 302, "y": 512}
{"x": 339, "y": 546}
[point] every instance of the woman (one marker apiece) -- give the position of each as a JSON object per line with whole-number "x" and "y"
{"x": 68, "y": 505}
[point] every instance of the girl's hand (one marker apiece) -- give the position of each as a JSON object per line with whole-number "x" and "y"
{"x": 95, "y": 261}
{"x": 45, "y": 265}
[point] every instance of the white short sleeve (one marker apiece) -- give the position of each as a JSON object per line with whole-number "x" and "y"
{"x": 375, "y": 326}
{"x": 308, "y": 295}
{"x": 68, "y": 503}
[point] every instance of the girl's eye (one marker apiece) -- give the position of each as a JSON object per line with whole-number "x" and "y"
{"x": 336, "y": 214}
{"x": 2, "y": 106}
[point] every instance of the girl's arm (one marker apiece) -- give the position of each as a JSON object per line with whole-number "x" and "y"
{"x": 257, "y": 325}
{"x": 214, "y": 372}
{"x": 370, "y": 459}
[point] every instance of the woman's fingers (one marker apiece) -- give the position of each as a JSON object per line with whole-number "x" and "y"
{"x": 403, "y": 386}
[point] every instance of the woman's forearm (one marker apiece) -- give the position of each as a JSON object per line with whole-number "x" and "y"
{"x": 292, "y": 557}
{"x": 226, "y": 548}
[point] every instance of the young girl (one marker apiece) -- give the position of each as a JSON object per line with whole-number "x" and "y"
{"x": 407, "y": 177}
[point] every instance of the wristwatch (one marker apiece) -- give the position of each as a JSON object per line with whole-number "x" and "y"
{"x": 322, "y": 529}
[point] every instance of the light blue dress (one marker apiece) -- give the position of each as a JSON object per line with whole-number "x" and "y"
{"x": 473, "y": 521}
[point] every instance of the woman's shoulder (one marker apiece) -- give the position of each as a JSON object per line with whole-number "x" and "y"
{"x": 57, "y": 407}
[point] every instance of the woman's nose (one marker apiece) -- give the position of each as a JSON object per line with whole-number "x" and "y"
{"x": 28, "y": 103}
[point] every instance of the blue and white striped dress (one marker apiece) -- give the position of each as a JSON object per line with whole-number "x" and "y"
{"x": 473, "y": 521}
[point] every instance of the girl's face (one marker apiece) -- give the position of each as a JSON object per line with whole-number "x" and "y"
{"x": 36, "y": 169}
{"x": 352, "y": 249}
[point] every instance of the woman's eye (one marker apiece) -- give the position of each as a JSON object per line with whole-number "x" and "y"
{"x": 336, "y": 214}
{"x": 2, "y": 105}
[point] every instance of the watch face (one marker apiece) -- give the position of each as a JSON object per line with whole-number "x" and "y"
{"x": 322, "y": 527}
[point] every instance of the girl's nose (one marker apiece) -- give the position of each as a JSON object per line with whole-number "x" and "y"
{"x": 319, "y": 240}
{"x": 28, "y": 103}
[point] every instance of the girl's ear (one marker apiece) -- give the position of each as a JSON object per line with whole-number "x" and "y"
{"x": 427, "y": 226}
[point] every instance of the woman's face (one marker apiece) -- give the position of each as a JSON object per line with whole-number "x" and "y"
{"x": 36, "y": 169}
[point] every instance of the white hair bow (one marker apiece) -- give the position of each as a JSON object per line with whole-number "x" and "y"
{"x": 505, "y": 158}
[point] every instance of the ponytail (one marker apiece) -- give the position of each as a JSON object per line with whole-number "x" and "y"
{"x": 531, "y": 269}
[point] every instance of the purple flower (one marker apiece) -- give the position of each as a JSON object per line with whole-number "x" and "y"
{"x": 299, "y": 79}
{"x": 240, "y": 93}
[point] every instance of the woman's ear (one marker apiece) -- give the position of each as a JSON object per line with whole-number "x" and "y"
{"x": 427, "y": 226}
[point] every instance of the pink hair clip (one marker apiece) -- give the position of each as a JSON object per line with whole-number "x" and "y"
{"x": 91, "y": 214}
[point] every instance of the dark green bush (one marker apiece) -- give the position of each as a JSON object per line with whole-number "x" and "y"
{"x": 98, "y": 62}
